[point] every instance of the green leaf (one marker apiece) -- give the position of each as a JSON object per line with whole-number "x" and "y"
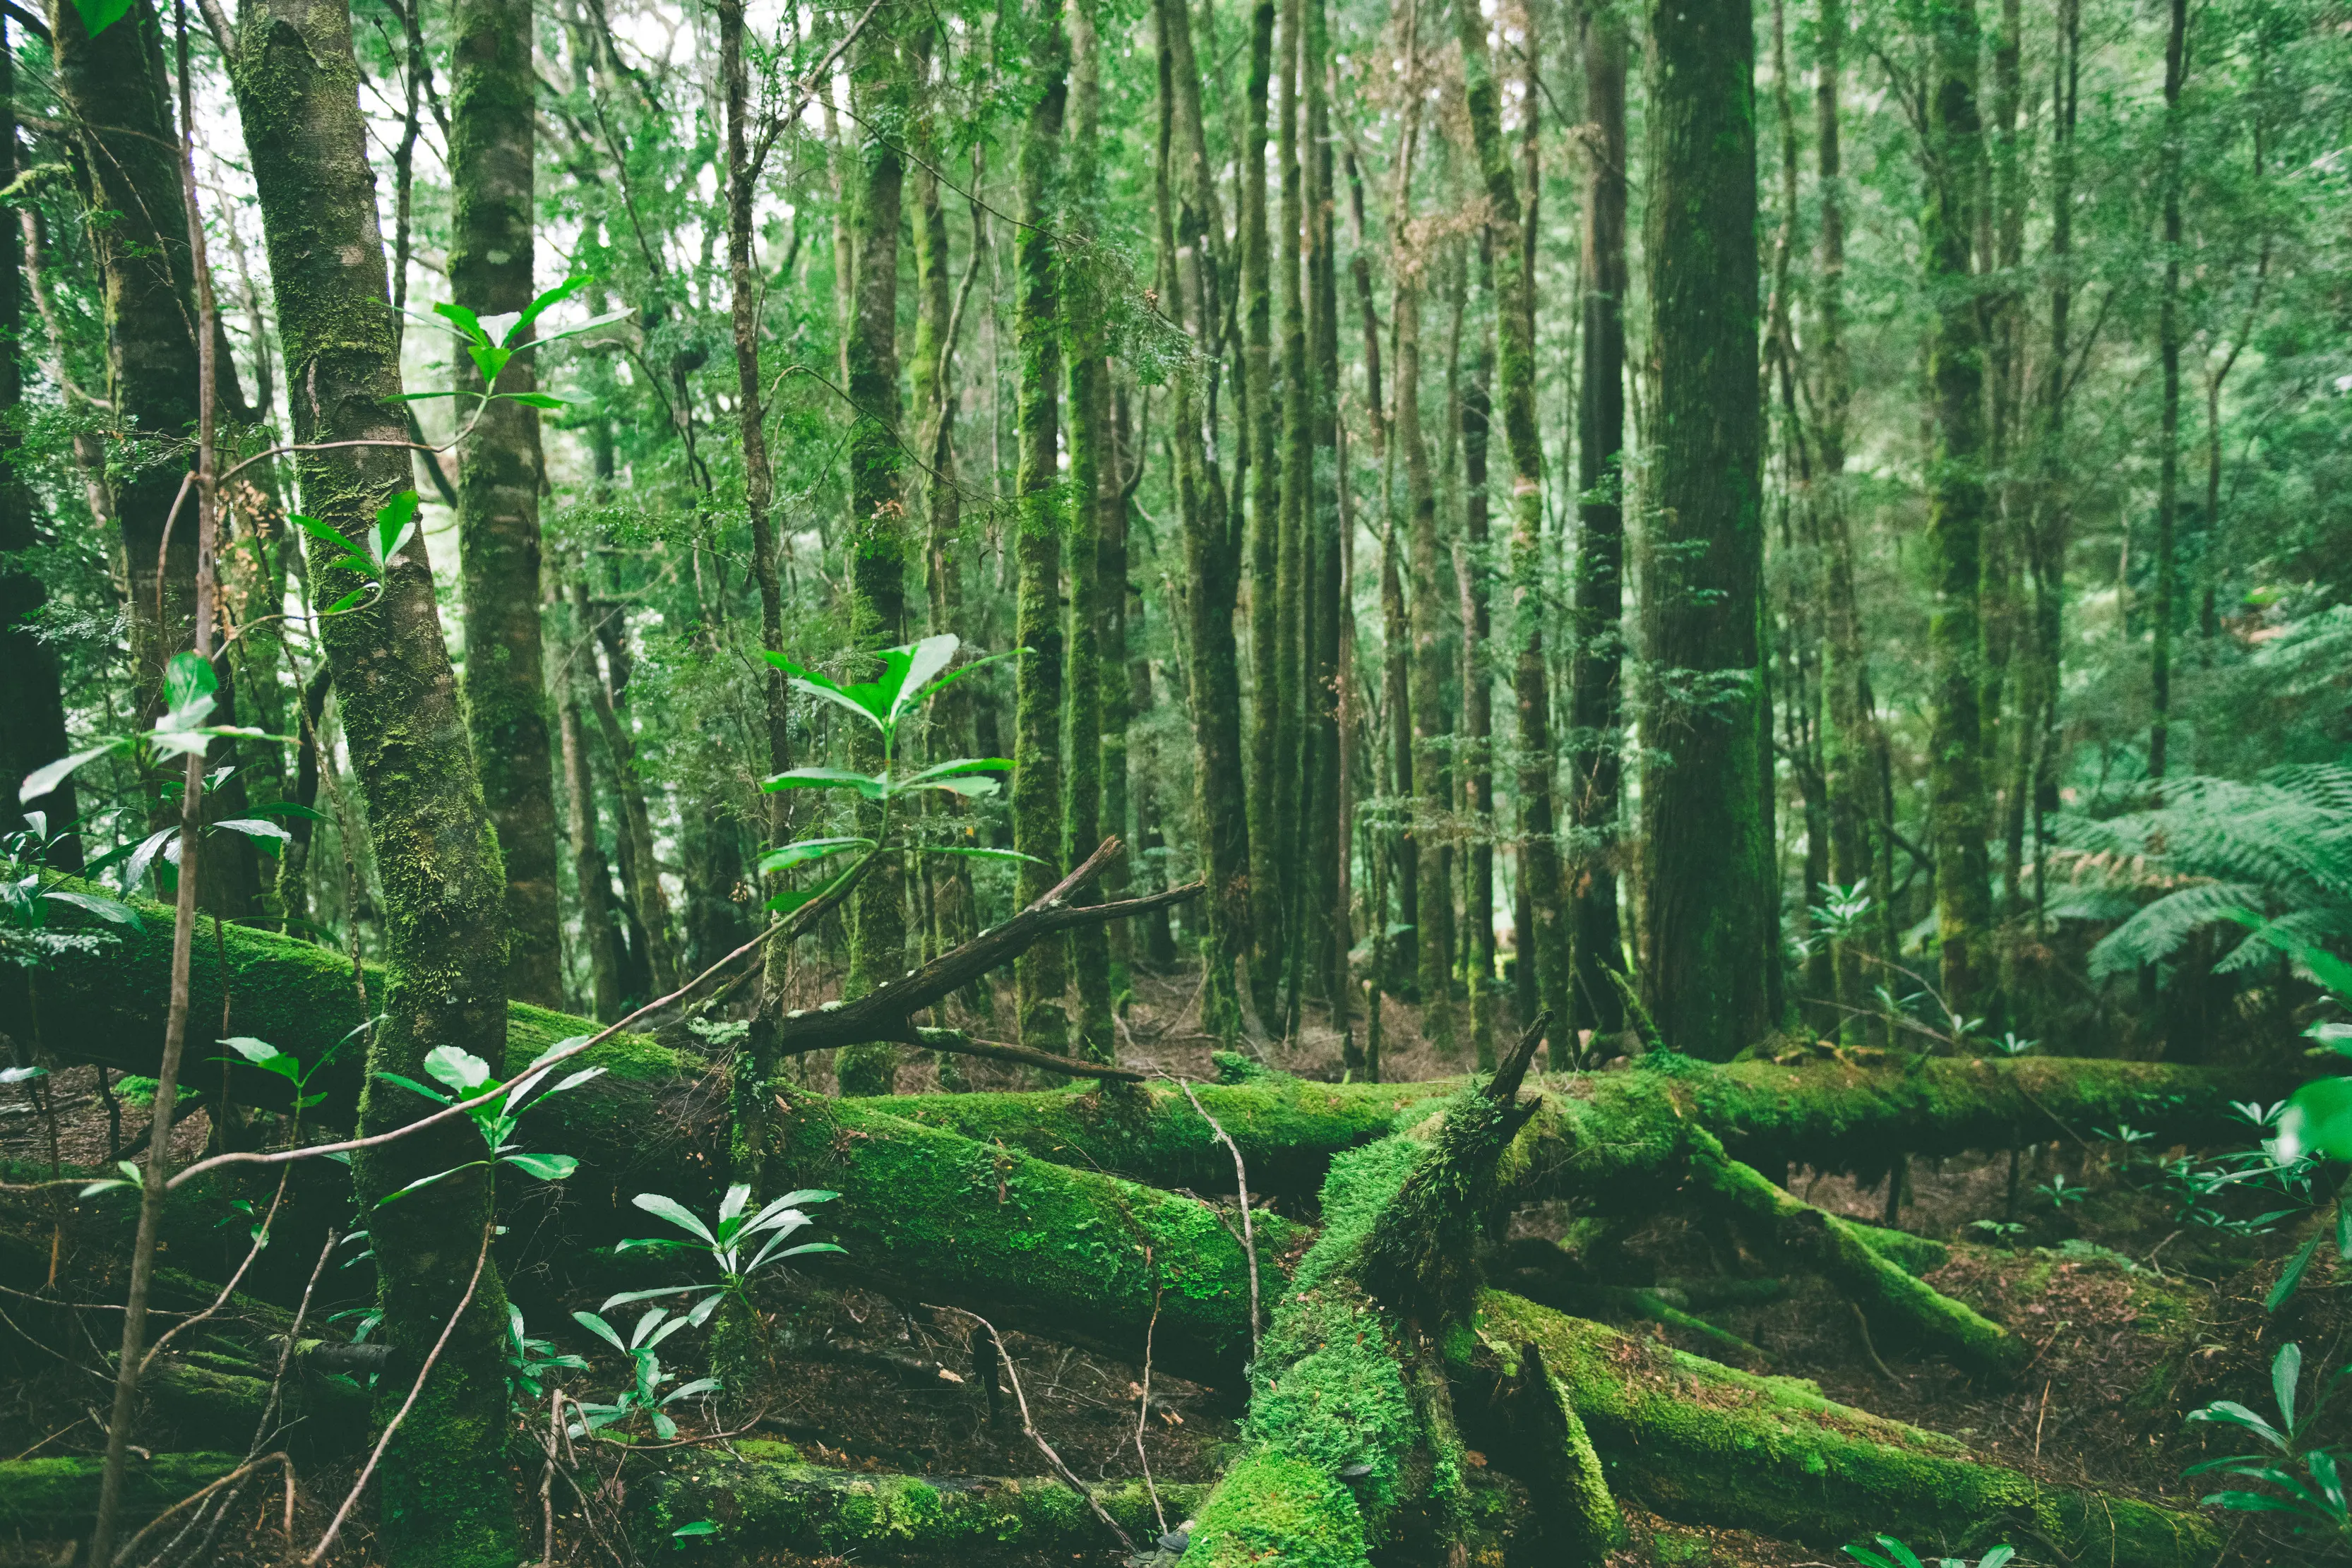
{"x": 699, "y": 1527}
{"x": 254, "y": 828}
{"x": 289, "y": 809}
{"x": 873, "y": 788}
{"x": 961, "y": 766}
{"x": 802, "y": 850}
{"x": 47, "y": 776}
{"x": 2318, "y": 1120}
{"x": 591, "y": 325}
{"x": 98, "y": 15}
{"x": 2287, "y": 1372}
{"x": 466, "y": 321}
{"x": 104, "y": 908}
{"x": 792, "y": 898}
{"x": 677, "y": 1213}
{"x": 261, "y": 1053}
{"x": 536, "y": 400}
{"x": 394, "y": 521}
{"x": 22, "y": 1074}
{"x": 546, "y": 1167}
{"x": 952, "y": 676}
{"x": 423, "y": 1182}
{"x": 924, "y": 660}
{"x": 599, "y": 1328}
{"x": 967, "y": 785}
{"x": 631, "y": 1297}
{"x": 433, "y": 1094}
{"x": 421, "y": 397}
{"x": 460, "y": 1070}
{"x": 555, "y": 296}
{"x": 348, "y": 600}
{"x": 824, "y": 688}
{"x": 320, "y": 531}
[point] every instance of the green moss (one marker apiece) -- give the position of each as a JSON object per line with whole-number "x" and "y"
{"x": 1706, "y": 1445}
{"x": 1914, "y": 1255}
{"x": 766, "y": 1496}
{"x": 1272, "y": 1508}
{"x": 54, "y": 1500}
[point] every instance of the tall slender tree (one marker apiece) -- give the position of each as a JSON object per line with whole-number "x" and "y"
{"x": 1960, "y": 818}
{"x": 1268, "y": 679}
{"x": 444, "y": 1499}
{"x": 1711, "y": 956}
{"x": 1041, "y": 975}
{"x": 1596, "y": 592}
{"x": 878, "y": 535}
{"x": 492, "y": 145}
{"x": 2171, "y": 163}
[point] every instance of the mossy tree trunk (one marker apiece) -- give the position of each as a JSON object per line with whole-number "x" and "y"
{"x": 1547, "y": 943}
{"x": 1711, "y": 947}
{"x": 1473, "y": 561}
{"x": 1427, "y": 727}
{"x": 114, "y": 89}
{"x": 493, "y": 139}
{"x": 1267, "y": 681}
{"x": 445, "y": 1496}
{"x": 1596, "y": 591}
{"x": 1042, "y": 976}
{"x": 32, "y": 701}
{"x": 878, "y": 534}
{"x": 1959, "y": 812}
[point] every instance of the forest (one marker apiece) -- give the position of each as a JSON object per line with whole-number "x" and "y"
{"x": 1542, "y": 784}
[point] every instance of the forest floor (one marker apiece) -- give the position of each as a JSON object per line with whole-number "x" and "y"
{"x": 2133, "y": 1319}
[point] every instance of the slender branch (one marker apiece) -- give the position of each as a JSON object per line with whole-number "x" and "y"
{"x": 1240, "y": 1180}
{"x": 1030, "y": 1427}
{"x": 227, "y": 1290}
{"x": 237, "y": 1474}
{"x": 1143, "y": 1403}
{"x": 957, "y": 1042}
{"x": 367, "y": 1471}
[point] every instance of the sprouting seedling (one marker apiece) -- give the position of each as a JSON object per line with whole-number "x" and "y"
{"x": 2013, "y": 1045}
{"x": 531, "y": 1362}
{"x": 911, "y": 676}
{"x": 643, "y": 1394}
{"x": 2309, "y": 1480}
{"x": 2061, "y": 1192}
{"x": 724, "y": 1242}
{"x": 493, "y": 342}
{"x": 261, "y": 1055}
{"x": 469, "y": 1075}
{"x": 371, "y": 555}
{"x": 191, "y": 692}
{"x": 1893, "y": 1553}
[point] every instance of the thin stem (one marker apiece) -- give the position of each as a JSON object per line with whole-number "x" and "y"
{"x": 1240, "y": 1180}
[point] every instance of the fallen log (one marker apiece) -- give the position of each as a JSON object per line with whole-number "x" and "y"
{"x": 1704, "y": 1443}
{"x": 56, "y": 1499}
{"x": 764, "y": 1497}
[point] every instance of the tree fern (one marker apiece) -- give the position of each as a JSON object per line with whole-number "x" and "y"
{"x": 2274, "y": 856}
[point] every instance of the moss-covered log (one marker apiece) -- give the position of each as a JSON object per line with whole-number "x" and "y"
{"x": 1080, "y": 1256}
{"x": 1702, "y": 1443}
{"x": 765, "y": 1495}
{"x": 55, "y": 1499}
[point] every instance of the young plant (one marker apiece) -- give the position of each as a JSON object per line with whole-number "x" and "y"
{"x": 531, "y": 1362}
{"x": 724, "y": 1243}
{"x": 911, "y": 676}
{"x": 2308, "y": 1481}
{"x": 1892, "y": 1553}
{"x": 469, "y": 1075}
{"x": 191, "y": 692}
{"x": 261, "y": 1055}
{"x": 643, "y": 1395}
{"x": 2061, "y": 1192}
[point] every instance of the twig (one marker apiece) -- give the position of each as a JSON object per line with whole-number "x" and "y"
{"x": 791, "y": 926}
{"x": 1863, "y": 1323}
{"x": 1143, "y": 1404}
{"x": 1030, "y": 1427}
{"x": 237, "y": 1474}
{"x": 368, "y": 1470}
{"x": 227, "y": 1290}
{"x": 959, "y": 1043}
{"x": 1240, "y": 1180}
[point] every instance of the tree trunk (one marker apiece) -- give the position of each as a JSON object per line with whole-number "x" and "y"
{"x": 492, "y": 87}
{"x": 1710, "y": 949}
{"x": 592, "y": 878}
{"x": 1291, "y": 567}
{"x": 877, "y": 521}
{"x": 2168, "y": 336}
{"x": 1959, "y": 811}
{"x": 32, "y": 699}
{"x": 113, "y": 88}
{"x": 1474, "y": 563}
{"x": 1422, "y": 721}
{"x": 1597, "y": 657}
{"x": 444, "y": 1496}
{"x": 1268, "y": 683}
{"x": 1546, "y": 945}
{"x": 607, "y": 683}
{"x": 1042, "y": 975}
{"x": 1325, "y": 957}
{"x": 1093, "y": 492}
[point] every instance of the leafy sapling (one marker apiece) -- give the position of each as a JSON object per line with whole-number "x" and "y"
{"x": 191, "y": 692}
{"x": 2307, "y": 1483}
{"x": 643, "y": 1395}
{"x": 724, "y": 1243}
{"x": 468, "y": 1076}
{"x": 1893, "y": 1553}
{"x": 531, "y": 1362}
{"x": 911, "y": 676}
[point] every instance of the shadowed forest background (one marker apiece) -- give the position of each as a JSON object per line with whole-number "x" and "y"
{"x": 1418, "y": 730}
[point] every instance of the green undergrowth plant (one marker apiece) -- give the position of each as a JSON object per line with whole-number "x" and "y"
{"x": 2305, "y": 1480}
{"x": 723, "y": 1243}
{"x": 1889, "y": 1553}
{"x": 468, "y": 1076}
{"x": 643, "y": 1397}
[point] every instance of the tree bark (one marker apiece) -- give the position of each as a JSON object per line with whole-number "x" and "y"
{"x": 1474, "y": 562}
{"x": 492, "y": 87}
{"x": 1041, "y": 978}
{"x": 1959, "y": 811}
{"x": 878, "y": 521}
{"x": 1709, "y": 944}
{"x": 2168, "y": 336}
{"x": 1429, "y": 778}
{"x": 1266, "y": 678}
{"x": 296, "y": 86}
{"x": 1597, "y": 656}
